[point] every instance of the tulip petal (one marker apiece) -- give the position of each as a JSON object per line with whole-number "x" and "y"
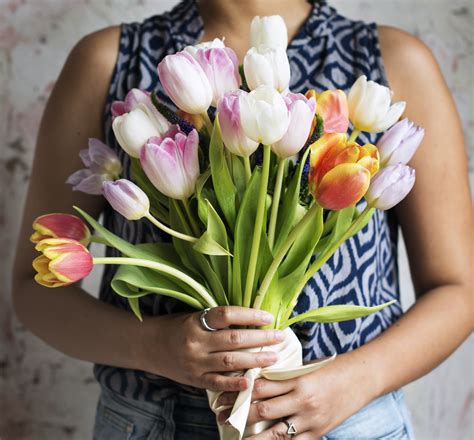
{"x": 333, "y": 108}
{"x": 61, "y": 226}
{"x": 71, "y": 267}
{"x": 392, "y": 116}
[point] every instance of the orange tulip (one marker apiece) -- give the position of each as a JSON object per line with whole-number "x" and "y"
{"x": 332, "y": 106}
{"x": 340, "y": 171}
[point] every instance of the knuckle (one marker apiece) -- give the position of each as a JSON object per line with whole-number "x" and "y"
{"x": 228, "y": 360}
{"x": 262, "y": 410}
{"x": 224, "y": 314}
{"x": 235, "y": 337}
{"x": 278, "y": 435}
{"x": 216, "y": 383}
{"x": 259, "y": 387}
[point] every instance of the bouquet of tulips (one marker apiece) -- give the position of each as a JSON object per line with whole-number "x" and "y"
{"x": 255, "y": 185}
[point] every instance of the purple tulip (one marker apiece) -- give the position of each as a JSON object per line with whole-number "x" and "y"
{"x": 101, "y": 164}
{"x": 185, "y": 83}
{"x": 390, "y": 186}
{"x": 172, "y": 164}
{"x": 126, "y": 198}
{"x": 301, "y": 112}
{"x": 399, "y": 144}
{"x": 228, "y": 111}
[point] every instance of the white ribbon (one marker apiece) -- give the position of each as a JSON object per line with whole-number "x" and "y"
{"x": 289, "y": 366}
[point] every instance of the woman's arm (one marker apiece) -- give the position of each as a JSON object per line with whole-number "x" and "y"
{"x": 437, "y": 224}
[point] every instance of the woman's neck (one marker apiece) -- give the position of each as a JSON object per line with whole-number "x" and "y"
{"x": 231, "y": 18}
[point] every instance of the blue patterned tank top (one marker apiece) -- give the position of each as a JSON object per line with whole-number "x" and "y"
{"x": 329, "y": 51}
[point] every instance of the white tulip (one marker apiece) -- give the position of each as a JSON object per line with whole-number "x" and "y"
{"x": 267, "y": 66}
{"x": 263, "y": 115}
{"x": 133, "y": 129}
{"x": 370, "y": 107}
{"x": 269, "y": 31}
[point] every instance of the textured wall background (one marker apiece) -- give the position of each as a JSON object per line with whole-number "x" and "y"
{"x": 43, "y": 394}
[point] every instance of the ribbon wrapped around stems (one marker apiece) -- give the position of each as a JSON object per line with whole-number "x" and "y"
{"x": 289, "y": 366}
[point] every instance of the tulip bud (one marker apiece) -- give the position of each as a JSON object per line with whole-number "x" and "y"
{"x": 101, "y": 164}
{"x": 185, "y": 83}
{"x": 267, "y": 66}
{"x": 398, "y": 145}
{"x": 60, "y": 226}
{"x": 64, "y": 261}
{"x": 269, "y": 31}
{"x": 333, "y": 108}
{"x": 301, "y": 111}
{"x": 390, "y": 186}
{"x": 370, "y": 106}
{"x": 222, "y": 70}
{"x": 263, "y": 115}
{"x": 133, "y": 98}
{"x": 133, "y": 129}
{"x": 228, "y": 112}
{"x": 127, "y": 199}
{"x": 193, "y": 50}
{"x": 172, "y": 164}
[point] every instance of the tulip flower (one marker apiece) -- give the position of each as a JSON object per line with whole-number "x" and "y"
{"x": 222, "y": 70}
{"x": 267, "y": 66}
{"x": 269, "y": 31}
{"x": 370, "y": 107}
{"x": 398, "y": 145}
{"x": 390, "y": 186}
{"x": 263, "y": 115}
{"x": 340, "y": 170}
{"x": 60, "y": 226}
{"x": 228, "y": 111}
{"x": 333, "y": 108}
{"x": 133, "y": 98}
{"x": 64, "y": 261}
{"x": 193, "y": 50}
{"x": 185, "y": 83}
{"x": 101, "y": 164}
{"x": 127, "y": 199}
{"x": 133, "y": 129}
{"x": 172, "y": 164}
{"x": 301, "y": 111}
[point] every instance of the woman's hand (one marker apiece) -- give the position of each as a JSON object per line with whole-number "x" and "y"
{"x": 315, "y": 403}
{"x": 179, "y": 348}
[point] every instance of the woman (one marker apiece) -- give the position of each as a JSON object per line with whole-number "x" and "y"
{"x": 153, "y": 374}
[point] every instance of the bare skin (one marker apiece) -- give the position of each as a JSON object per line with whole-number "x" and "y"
{"x": 437, "y": 236}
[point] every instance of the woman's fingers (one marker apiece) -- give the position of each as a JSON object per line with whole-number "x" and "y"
{"x": 237, "y": 360}
{"x": 280, "y": 430}
{"x": 273, "y": 409}
{"x": 225, "y": 316}
{"x": 218, "y": 382}
{"x": 234, "y": 339}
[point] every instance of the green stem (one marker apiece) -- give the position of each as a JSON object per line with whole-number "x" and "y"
{"x": 170, "y": 231}
{"x": 192, "y": 220}
{"x": 99, "y": 240}
{"x": 272, "y": 270}
{"x": 355, "y": 133}
{"x": 276, "y": 202}
{"x": 160, "y": 267}
{"x": 257, "y": 232}
{"x": 248, "y": 168}
{"x": 182, "y": 217}
{"x": 207, "y": 122}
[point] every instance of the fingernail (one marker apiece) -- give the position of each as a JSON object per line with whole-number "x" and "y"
{"x": 279, "y": 335}
{"x": 266, "y": 317}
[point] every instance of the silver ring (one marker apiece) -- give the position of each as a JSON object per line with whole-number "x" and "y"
{"x": 204, "y": 323}
{"x": 291, "y": 431}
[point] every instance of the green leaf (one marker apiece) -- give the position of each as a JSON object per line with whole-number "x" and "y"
{"x": 208, "y": 246}
{"x": 134, "y": 304}
{"x": 337, "y": 313}
{"x": 201, "y": 198}
{"x": 238, "y": 174}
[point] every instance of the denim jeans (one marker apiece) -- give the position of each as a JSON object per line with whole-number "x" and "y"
{"x": 185, "y": 416}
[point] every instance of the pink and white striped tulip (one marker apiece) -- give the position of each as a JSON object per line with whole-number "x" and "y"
{"x": 64, "y": 261}
{"x": 172, "y": 164}
{"x": 127, "y": 199}
{"x": 269, "y": 31}
{"x": 228, "y": 112}
{"x": 399, "y": 144}
{"x": 390, "y": 186}
{"x": 133, "y": 129}
{"x": 101, "y": 162}
{"x": 185, "y": 83}
{"x": 60, "y": 226}
{"x": 301, "y": 111}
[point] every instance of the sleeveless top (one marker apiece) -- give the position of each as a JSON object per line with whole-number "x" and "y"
{"x": 329, "y": 51}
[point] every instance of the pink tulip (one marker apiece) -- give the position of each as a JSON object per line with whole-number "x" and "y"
{"x": 172, "y": 164}
{"x": 185, "y": 83}
{"x": 301, "y": 111}
{"x": 60, "y": 226}
{"x": 127, "y": 199}
{"x": 133, "y": 98}
{"x": 64, "y": 261}
{"x": 222, "y": 70}
{"x": 101, "y": 164}
{"x": 228, "y": 111}
{"x": 333, "y": 108}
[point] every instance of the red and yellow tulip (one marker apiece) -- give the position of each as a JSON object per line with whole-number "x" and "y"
{"x": 332, "y": 106}
{"x": 60, "y": 226}
{"x": 63, "y": 261}
{"x": 340, "y": 170}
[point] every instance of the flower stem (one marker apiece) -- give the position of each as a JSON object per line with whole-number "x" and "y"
{"x": 257, "y": 232}
{"x": 272, "y": 270}
{"x": 99, "y": 240}
{"x": 248, "y": 168}
{"x": 170, "y": 231}
{"x": 354, "y": 134}
{"x": 207, "y": 122}
{"x": 276, "y": 202}
{"x": 164, "y": 268}
{"x": 192, "y": 220}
